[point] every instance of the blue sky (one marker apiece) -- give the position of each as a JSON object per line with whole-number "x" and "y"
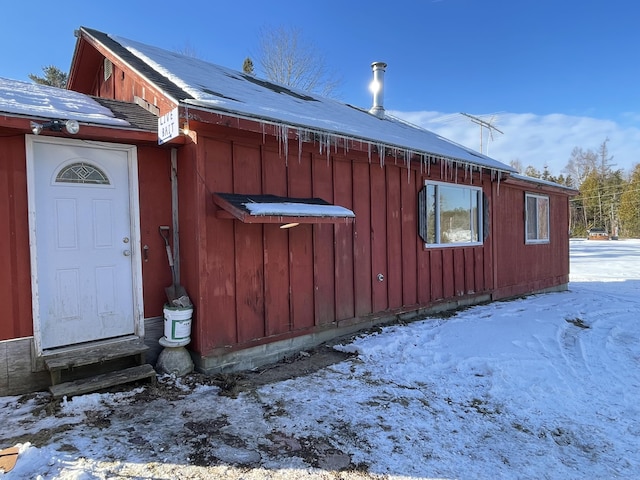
{"x": 550, "y": 74}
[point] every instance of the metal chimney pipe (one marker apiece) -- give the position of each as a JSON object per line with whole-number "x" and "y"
{"x": 377, "y": 88}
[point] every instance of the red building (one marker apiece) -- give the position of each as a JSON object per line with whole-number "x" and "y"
{"x": 392, "y": 221}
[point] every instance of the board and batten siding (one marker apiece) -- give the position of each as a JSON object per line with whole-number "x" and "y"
{"x": 258, "y": 283}
{"x": 15, "y": 274}
{"x": 523, "y": 268}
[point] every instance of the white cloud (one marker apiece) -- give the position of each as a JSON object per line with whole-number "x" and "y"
{"x": 536, "y": 140}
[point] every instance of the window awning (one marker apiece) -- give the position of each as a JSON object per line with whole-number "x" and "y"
{"x": 275, "y": 209}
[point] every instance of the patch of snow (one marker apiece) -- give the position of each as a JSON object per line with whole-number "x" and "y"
{"x": 541, "y": 387}
{"x": 298, "y": 209}
{"x": 42, "y": 101}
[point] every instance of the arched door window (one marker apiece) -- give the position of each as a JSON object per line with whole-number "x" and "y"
{"x": 82, "y": 172}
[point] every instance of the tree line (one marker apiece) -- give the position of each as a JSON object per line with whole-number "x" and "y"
{"x": 607, "y": 197}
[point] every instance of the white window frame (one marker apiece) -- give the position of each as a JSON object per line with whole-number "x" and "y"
{"x": 535, "y": 215}
{"x": 479, "y": 213}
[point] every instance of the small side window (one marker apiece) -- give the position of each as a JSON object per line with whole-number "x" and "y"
{"x": 537, "y": 218}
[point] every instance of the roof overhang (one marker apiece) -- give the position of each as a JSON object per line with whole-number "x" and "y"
{"x": 327, "y": 141}
{"x": 87, "y": 131}
{"x": 531, "y": 183}
{"x": 250, "y": 208}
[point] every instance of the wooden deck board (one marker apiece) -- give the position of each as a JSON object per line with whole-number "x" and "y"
{"x": 106, "y": 380}
{"x": 103, "y": 353}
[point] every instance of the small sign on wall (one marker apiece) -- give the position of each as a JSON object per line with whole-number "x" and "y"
{"x": 168, "y": 126}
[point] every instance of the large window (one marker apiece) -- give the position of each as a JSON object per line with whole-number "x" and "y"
{"x": 537, "y": 218}
{"x": 452, "y": 214}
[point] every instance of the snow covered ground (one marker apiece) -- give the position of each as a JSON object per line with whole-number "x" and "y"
{"x": 543, "y": 387}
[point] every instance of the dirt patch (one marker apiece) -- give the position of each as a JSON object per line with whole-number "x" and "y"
{"x": 304, "y": 363}
{"x": 232, "y": 384}
{"x": 301, "y": 364}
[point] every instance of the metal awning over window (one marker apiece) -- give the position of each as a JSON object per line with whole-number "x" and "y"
{"x": 284, "y": 210}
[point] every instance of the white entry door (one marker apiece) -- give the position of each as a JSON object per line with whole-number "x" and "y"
{"x": 83, "y": 238}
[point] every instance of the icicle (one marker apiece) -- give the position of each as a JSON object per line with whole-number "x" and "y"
{"x": 264, "y": 133}
{"x": 300, "y": 141}
{"x": 381, "y": 154}
{"x": 279, "y": 142}
{"x": 328, "y": 148}
{"x": 407, "y": 159}
{"x": 283, "y": 139}
{"x": 499, "y": 183}
{"x": 369, "y": 149}
{"x": 429, "y": 166}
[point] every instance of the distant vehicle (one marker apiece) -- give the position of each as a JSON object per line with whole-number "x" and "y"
{"x": 597, "y": 234}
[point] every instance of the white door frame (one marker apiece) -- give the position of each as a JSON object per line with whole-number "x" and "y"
{"x": 134, "y": 210}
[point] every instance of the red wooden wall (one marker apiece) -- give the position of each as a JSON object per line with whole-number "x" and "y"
{"x": 154, "y": 185}
{"x": 521, "y": 267}
{"x": 257, "y": 282}
{"x": 15, "y": 274}
{"x": 123, "y": 83}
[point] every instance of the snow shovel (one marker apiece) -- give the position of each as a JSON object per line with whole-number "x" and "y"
{"x": 176, "y": 294}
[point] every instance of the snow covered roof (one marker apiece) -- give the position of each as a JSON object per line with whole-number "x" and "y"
{"x": 540, "y": 181}
{"x": 41, "y": 101}
{"x": 199, "y": 84}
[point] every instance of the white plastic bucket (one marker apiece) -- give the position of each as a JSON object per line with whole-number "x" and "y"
{"x": 177, "y": 323}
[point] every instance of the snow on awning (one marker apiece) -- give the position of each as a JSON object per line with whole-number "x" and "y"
{"x": 284, "y": 210}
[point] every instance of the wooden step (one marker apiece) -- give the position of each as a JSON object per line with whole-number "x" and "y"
{"x": 100, "y": 354}
{"x": 105, "y": 380}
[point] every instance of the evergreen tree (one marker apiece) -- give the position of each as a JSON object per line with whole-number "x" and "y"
{"x": 247, "y": 67}
{"x": 629, "y": 210}
{"x": 53, "y": 77}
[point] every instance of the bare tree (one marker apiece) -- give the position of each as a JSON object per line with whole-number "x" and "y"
{"x": 53, "y": 76}
{"x": 580, "y": 164}
{"x": 187, "y": 50}
{"x": 517, "y": 164}
{"x": 286, "y": 58}
{"x": 604, "y": 160}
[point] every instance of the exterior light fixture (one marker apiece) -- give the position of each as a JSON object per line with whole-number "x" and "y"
{"x": 289, "y": 225}
{"x": 71, "y": 126}
{"x": 36, "y": 128}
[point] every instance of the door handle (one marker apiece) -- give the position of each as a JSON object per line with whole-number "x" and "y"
{"x": 127, "y": 253}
